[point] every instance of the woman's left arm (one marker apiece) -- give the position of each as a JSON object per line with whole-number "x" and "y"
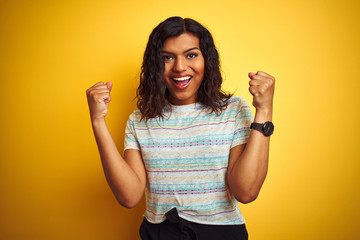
{"x": 248, "y": 163}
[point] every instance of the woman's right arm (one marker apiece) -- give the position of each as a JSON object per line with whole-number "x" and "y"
{"x": 125, "y": 176}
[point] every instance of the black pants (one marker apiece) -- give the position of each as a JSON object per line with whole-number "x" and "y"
{"x": 176, "y": 228}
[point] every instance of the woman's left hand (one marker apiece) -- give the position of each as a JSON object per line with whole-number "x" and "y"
{"x": 248, "y": 163}
{"x": 262, "y": 89}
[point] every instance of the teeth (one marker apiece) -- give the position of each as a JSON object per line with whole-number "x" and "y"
{"x": 182, "y": 78}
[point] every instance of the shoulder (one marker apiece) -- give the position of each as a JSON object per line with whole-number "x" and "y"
{"x": 237, "y": 103}
{"x": 239, "y": 108}
{"x": 135, "y": 116}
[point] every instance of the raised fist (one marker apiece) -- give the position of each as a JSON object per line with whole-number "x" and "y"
{"x": 98, "y": 99}
{"x": 262, "y": 89}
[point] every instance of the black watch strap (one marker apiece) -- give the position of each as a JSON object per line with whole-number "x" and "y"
{"x": 266, "y": 128}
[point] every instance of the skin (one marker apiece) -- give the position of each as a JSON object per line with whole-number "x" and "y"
{"x": 248, "y": 163}
{"x": 125, "y": 175}
{"x": 182, "y": 57}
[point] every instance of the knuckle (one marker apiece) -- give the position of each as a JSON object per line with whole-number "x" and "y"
{"x": 261, "y": 73}
{"x": 92, "y": 94}
{"x": 267, "y": 84}
{"x": 270, "y": 83}
{"x": 256, "y": 77}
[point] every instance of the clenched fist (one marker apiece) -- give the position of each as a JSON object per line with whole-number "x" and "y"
{"x": 98, "y": 97}
{"x": 262, "y": 89}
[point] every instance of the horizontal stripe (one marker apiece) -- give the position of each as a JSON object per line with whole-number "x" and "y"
{"x": 156, "y": 190}
{"x": 186, "y": 193}
{"x": 174, "y": 145}
{"x": 184, "y": 128}
{"x": 230, "y": 217}
{"x": 195, "y": 170}
{"x": 183, "y": 178}
{"x": 190, "y": 162}
{"x": 185, "y": 206}
{"x": 187, "y": 185}
{"x": 183, "y": 166}
{"x": 189, "y": 133}
{"x": 193, "y": 159}
{"x": 184, "y": 199}
{"x": 208, "y": 212}
{"x": 198, "y": 153}
{"x": 217, "y": 213}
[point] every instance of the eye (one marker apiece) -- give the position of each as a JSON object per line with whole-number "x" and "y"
{"x": 192, "y": 55}
{"x": 167, "y": 57}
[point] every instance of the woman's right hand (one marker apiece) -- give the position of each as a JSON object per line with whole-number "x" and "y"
{"x": 125, "y": 176}
{"x": 98, "y": 97}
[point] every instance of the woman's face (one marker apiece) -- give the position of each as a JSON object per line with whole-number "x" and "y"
{"x": 184, "y": 68}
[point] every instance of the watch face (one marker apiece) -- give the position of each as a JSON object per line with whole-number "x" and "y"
{"x": 268, "y": 128}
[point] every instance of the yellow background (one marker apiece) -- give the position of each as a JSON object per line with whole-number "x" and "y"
{"x": 51, "y": 181}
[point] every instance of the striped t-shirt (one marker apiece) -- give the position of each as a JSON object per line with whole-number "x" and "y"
{"x": 186, "y": 158}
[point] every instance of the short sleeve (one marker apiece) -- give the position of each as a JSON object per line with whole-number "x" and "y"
{"x": 131, "y": 141}
{"x": 243, "y": 119}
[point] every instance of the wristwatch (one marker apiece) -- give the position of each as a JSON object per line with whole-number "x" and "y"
{"x": 266, "y": 128}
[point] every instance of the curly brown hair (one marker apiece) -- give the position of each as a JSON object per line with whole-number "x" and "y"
{"x": 152, "y": 93}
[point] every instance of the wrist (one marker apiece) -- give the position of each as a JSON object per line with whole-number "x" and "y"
{"x": 97, "y": 122}
{"x": 263, "y": 115}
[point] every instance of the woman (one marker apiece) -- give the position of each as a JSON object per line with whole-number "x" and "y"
{"x": 189, "y": 147}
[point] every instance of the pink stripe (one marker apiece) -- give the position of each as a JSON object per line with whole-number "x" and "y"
{"x": 185, "y": 190}
{"x": 191, "y": 170}
{"x": 207, "y": 124}
{"x": 241, "y": 130}
{"x": 171, "y": 145}
{"x": 187, "y": 193}
{"x": 196, "y": 215}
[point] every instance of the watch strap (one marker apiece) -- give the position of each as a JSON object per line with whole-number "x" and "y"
{"x": 266, "y": 128}
{"x": 257, "y": 126}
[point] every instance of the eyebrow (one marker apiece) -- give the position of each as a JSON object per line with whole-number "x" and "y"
{"x": 190, "y": 49}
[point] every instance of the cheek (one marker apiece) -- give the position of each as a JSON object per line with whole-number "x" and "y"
{"x": 167, "y": 68}
{"x": 200, "y": 67}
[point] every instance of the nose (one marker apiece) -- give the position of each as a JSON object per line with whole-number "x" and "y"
{"x": 180, "y": 65}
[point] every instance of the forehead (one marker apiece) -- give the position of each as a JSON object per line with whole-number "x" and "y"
{"x": 181, "y": 43}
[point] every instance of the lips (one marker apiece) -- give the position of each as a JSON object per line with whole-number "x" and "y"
{"x": 181, "y": 82}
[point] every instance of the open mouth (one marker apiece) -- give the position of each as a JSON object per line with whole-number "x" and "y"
{"x": 182, "y": 82}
